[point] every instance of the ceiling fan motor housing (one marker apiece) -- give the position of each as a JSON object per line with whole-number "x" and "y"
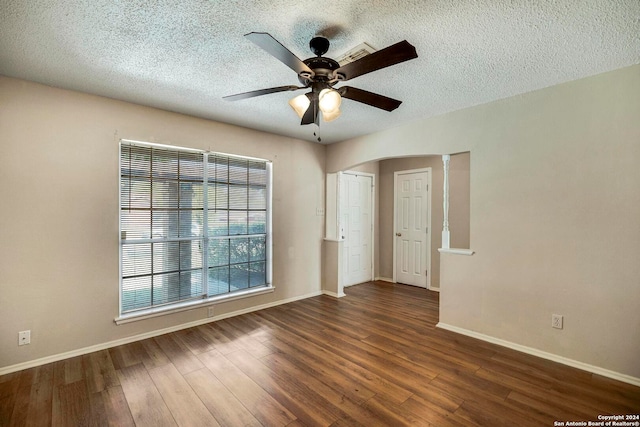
{"x": 323, "y": 70}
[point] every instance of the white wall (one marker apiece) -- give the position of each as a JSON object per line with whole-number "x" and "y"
{"x": 554, "y": 216}
{"x": 59, "y": 214}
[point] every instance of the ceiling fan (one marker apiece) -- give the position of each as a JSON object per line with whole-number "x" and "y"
{"x": 320, "y": 74}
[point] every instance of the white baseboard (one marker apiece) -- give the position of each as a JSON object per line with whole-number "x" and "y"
{"x": 434, "y": 289}
{"x": 543, "y": 354}
{"x": 334, "y": 294}
{"x": 103, "y": 346}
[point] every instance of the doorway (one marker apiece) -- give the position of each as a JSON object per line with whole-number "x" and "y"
{"x": 412, "y": 227}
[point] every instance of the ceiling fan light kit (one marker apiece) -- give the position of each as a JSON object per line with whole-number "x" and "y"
{"x": 320, "y": 74}
{"x": 329, "y": 100}
{"x": 331, "y": 116}
{"x": 300, "y": 104}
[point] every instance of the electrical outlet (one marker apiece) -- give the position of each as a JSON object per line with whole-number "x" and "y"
{"x": 319, "y": 211}
{"x": 556, "y": 321}
{"x": 24, "y": 337}
{"x": 210, "y": 312}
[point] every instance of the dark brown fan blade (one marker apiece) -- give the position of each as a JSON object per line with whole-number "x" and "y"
{"x": 311, "y": 115}
{"x": 369, "y": 98}
{"x": 253, "y": 93}
{"x": 394, "y": 54}
{"x": 275, "y": 48}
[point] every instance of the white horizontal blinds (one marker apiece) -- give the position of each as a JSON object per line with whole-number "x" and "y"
{"x": 237, "y": 212}
{"x": 257, "y": 223}
{"x": 165, "y": 194}
{"x": 161, "y": 225}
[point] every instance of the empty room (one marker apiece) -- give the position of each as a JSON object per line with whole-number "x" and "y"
{"x": 320, "y": 214}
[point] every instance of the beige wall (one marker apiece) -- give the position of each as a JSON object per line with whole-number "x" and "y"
{"x": 554, "y": 210}
{"x": 59, "y": 214}
{"x": 555, "y": 216}
{"x": 458, "y": 207}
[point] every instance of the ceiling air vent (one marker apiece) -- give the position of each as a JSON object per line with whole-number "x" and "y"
{"x": 354, "y": 54}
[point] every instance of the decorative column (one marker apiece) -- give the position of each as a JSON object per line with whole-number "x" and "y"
{"x": 445, "y": 202}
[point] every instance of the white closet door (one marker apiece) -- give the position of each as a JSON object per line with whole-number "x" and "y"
{"x": 356, "y": 225}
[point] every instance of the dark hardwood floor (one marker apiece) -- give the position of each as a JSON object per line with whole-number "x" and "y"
{"x": 373, "y": 358}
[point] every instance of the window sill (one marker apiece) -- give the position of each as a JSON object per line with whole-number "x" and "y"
{"x": 189, "y": 305}
{"x": 456, "y": 251}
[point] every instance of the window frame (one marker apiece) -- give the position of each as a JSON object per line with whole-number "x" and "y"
{"x": 206, "y": 299}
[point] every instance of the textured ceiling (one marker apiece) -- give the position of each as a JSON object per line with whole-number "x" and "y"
{"x": 185, "y": 56}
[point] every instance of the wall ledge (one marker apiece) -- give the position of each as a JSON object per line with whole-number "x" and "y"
{"x": 543, "y": 354}
{"x": 191, "y": 305}
{"x": 456, "y": 251}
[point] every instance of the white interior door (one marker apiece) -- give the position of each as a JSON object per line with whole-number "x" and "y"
{"x": 412, "y": 227}
{"x": 356, "y": 226}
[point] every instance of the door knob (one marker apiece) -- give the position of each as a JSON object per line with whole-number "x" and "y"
{"x": 399, "y": 234}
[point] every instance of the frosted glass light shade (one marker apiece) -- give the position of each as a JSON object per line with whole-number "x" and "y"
{"x": 300, "y": 104}
{"x": 329, "y": 117}
{"x": 330, "y": 100}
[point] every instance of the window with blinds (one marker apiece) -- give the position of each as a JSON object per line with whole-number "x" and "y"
{"x": 193, "y": 225}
